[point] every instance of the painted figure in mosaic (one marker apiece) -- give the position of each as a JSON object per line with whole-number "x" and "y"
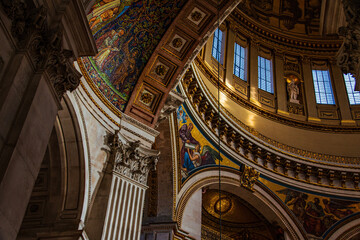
{"x": 128, "y": 65}
{"x": 209, "y": 155}
{"x": 314, "y": 214}
{"x": 107, "y": 45}
{"x": 192, "y": 158}
{"x": 104, "y": 11}
{"x": 181, "y": 115}
{"x": 338, "y": 208}
{"x": 186, "y": 137}
{"x": 103, "y": 17}
{"x": 299, "y": 204}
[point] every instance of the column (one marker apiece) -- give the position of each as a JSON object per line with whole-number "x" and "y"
{"x": 37, "y": 72}
{"x": 253, "y": 74}
{"x": 341, "y": 95}
{"x": 280, "y": 84}
{"x": 116, "y": 212}
{"x": 309, "y": 91}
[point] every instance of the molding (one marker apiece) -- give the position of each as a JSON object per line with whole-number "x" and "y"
{"x": 295, "y": 44}
{"x": 272, "y": 161}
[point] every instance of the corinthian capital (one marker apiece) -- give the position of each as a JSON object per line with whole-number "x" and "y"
{"x": 132, "y": 160}
{"x": 32, "y": 33}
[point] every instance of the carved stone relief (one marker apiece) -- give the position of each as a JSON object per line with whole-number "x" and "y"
{"x": 129, "y": 160}
{"x": 172, "y": 103}
{"x": 248, "y": 177}
{"x": 31, "y": 31}
{"x": 290, "y": 13}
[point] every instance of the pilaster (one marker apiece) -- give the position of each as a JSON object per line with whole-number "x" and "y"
{"x": 253, "y": 74}
{"x": 230, "y": 57}
{"x": 280, "y": 83}
{"x": 116, "y": 212}
{"x": 341, "y": 95}
{"x": 309, "y": 90}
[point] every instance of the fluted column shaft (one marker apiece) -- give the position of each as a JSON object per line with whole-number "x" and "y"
{"x": 121, "y": 191}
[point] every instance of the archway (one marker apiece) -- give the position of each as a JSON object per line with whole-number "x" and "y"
{"x": 261, "y": 199}
{"x": 56, "y": 203}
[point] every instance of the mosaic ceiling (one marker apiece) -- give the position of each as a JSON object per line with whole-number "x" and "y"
{"x": 126, "y": 33}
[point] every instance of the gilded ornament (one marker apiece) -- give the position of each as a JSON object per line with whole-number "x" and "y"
{"x": 146, "y": 98}
{"x": 160, "y": 70}
{"x": 196, "y": 16}
{"x": 177, "y": 42}
{"x": 248, "y": 178}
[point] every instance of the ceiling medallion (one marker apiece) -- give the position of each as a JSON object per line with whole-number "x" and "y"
{"x": 160, "y": 70}
{"x": 223, "y": 205}
{"x": 177, "y": 42}
{"x": 146, "y": 98}
{"x": 196, "y": 16}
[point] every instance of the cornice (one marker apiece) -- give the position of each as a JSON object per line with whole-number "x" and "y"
{"x": 294, "y": 43}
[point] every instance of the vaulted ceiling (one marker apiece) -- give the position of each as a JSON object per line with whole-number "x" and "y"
{"x": 143, "y": 48}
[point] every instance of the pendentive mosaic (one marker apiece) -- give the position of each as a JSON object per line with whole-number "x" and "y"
{"x": 196, "y": 151}
{"x": 315, "y": 212}
{"x": 126, "y": 33}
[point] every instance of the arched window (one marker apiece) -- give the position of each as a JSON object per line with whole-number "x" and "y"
{"x": 322, "y": 85}
{"x": 354, "y": 96}
{"x": 218, "y": 45}
{"x": 239, "y": 62}
{"x": 265, "y": 75}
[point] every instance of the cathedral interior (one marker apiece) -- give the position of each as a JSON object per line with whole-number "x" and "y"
{"x": 180, "y": 119}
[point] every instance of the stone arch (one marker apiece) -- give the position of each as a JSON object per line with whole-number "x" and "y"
{"x": 348, "y": 229}
{"x": 56, "y": 205}
{"x": 271, "y": 207}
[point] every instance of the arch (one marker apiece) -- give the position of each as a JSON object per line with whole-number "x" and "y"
{"x": 349, "y": 229}
{"x": 272, "y": 208}
{"x": 56, "y": 205}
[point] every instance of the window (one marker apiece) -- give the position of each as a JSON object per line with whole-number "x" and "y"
{"x": 264, "y": 75}
{"x": 218, "y": 45}
{"x": 239, "y": 62}
{"x": 354, "y": 96}
{"x": 322, "y": 84}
